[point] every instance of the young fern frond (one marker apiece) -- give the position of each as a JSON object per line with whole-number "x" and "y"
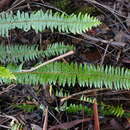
{"x": 22, "y": 53}
{"x": 40, "y": 21}
{"x": 84, "y": 75}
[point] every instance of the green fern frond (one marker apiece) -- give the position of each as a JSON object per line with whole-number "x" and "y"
{"x": 40, "y": 21}
{"x": 22, "y": 53}
{"x": 116, "y": 111}
{"x": 85, "y": 75}
{"x": 106, "y": 109}
{"x": 111, "y": 110}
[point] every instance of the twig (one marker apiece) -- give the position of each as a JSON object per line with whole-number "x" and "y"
{"x": 8, "y": 88}
{"x": 3, "y": 126}
{"x": 45, "y": 120}
{"x": 103, "y": 57}
{"x": 114, "y": 12}
{"x": 81, "y": 93}
{"x": 96, "y": 116}
{"x": 113, "y": 43}
{"x": 10, "y": 117}
{"x": 49, "y": 61}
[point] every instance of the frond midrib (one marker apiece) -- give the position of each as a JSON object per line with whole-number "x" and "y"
{"x": 40, "y": 21}
{"x": 115, "y": 77}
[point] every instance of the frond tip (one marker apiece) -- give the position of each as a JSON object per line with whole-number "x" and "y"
{"x": 40, "y": 21}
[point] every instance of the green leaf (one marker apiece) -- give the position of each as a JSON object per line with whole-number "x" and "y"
{"x": 5, "y": 73}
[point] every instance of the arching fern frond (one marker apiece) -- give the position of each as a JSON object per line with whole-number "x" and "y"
{"x": 22, "y": 53}
{"x": 84, "y": 75}
{"x": 40, "y": 21}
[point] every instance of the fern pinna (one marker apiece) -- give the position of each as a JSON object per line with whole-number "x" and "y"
{"x": 40, "y": 21}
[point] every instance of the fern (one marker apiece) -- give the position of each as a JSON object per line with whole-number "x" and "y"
{"x": 24, "y": 53}
{"x": 85, "y": 75}
{"x": 40, "y": 21}
{"x": 106, "y": 109}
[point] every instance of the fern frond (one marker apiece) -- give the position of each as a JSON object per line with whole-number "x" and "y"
{"x": 106, "y": 109}
{"x": 116, "y": 111}
{"x": 40, "y": 21}
{"x": 111, "y": 110}
{"x": 85, "y": 75}
{"x": 22, "y": 53}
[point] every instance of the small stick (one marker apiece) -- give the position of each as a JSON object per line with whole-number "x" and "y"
{"x": 81, "y": 93}
{"x": 103, "y": 57}
{"x": 45, "y": 120}
{"x": 113, "y": 43}
{"x": 49, "y": 61}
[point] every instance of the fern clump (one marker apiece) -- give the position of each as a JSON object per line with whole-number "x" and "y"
{"x": 40, "y": 21}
